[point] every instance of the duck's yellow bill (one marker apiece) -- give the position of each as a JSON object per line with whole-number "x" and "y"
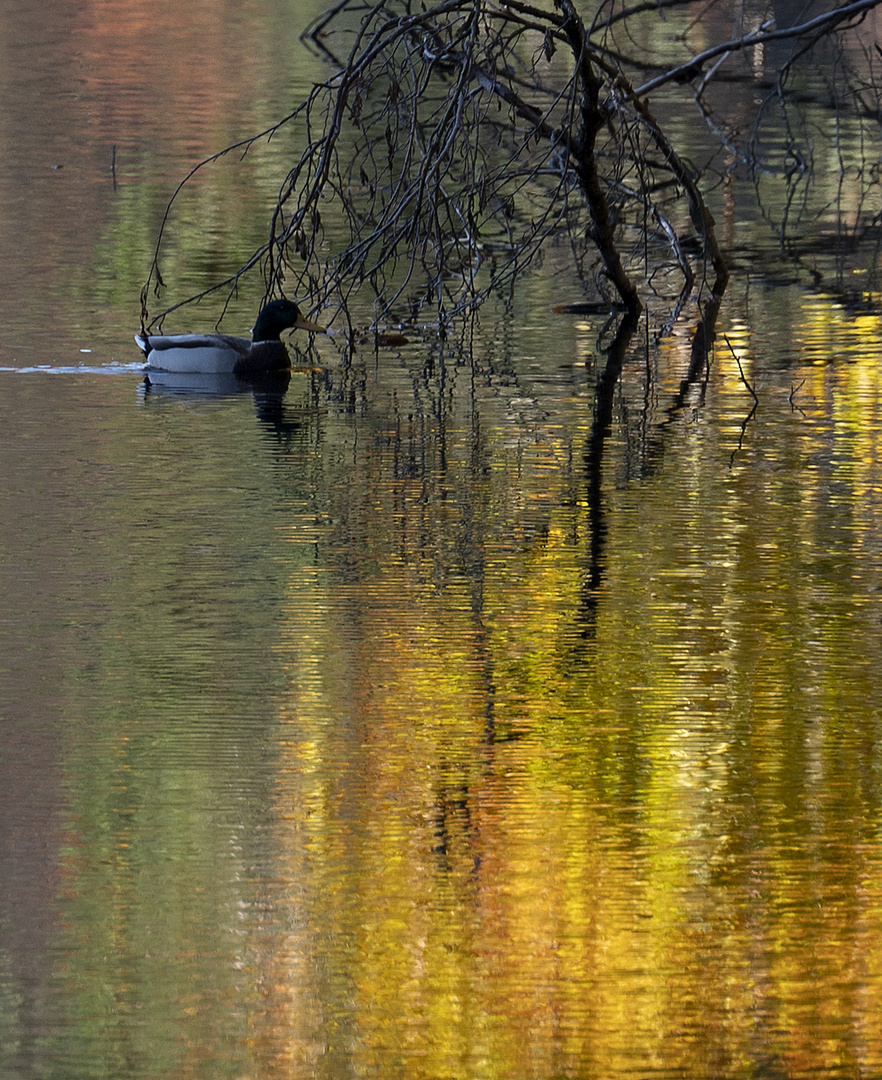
{"x": 305, "y": 324}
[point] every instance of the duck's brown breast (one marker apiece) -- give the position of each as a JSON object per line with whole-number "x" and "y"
{"x": 263, "y": 356}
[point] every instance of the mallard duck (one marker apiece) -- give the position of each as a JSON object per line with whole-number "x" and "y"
{"x": 215, "y": 354}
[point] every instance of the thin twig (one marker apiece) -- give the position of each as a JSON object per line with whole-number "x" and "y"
{"x": 741, "y": 370}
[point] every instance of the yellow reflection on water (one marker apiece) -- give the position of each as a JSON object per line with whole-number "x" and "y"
{"x": 508, "y": 835}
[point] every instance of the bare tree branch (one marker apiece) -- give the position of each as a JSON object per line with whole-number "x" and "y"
{"x": 453, "y": 141}
{"x": 814, "y": 28}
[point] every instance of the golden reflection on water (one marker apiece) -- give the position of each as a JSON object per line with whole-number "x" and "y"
{"x": 502, "y": 841}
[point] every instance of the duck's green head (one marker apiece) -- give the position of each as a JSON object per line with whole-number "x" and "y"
{"x": 278, "y": 316}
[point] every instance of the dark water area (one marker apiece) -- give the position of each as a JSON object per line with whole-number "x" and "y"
{"x": 400, "y": 721}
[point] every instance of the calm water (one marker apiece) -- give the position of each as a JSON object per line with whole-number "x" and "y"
{"x": 396, "y": 724}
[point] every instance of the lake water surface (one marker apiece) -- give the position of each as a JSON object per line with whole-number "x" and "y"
{"x": 405, "y": 721}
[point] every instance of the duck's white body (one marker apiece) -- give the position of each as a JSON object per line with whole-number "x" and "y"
{"x": 218, "y": 354}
